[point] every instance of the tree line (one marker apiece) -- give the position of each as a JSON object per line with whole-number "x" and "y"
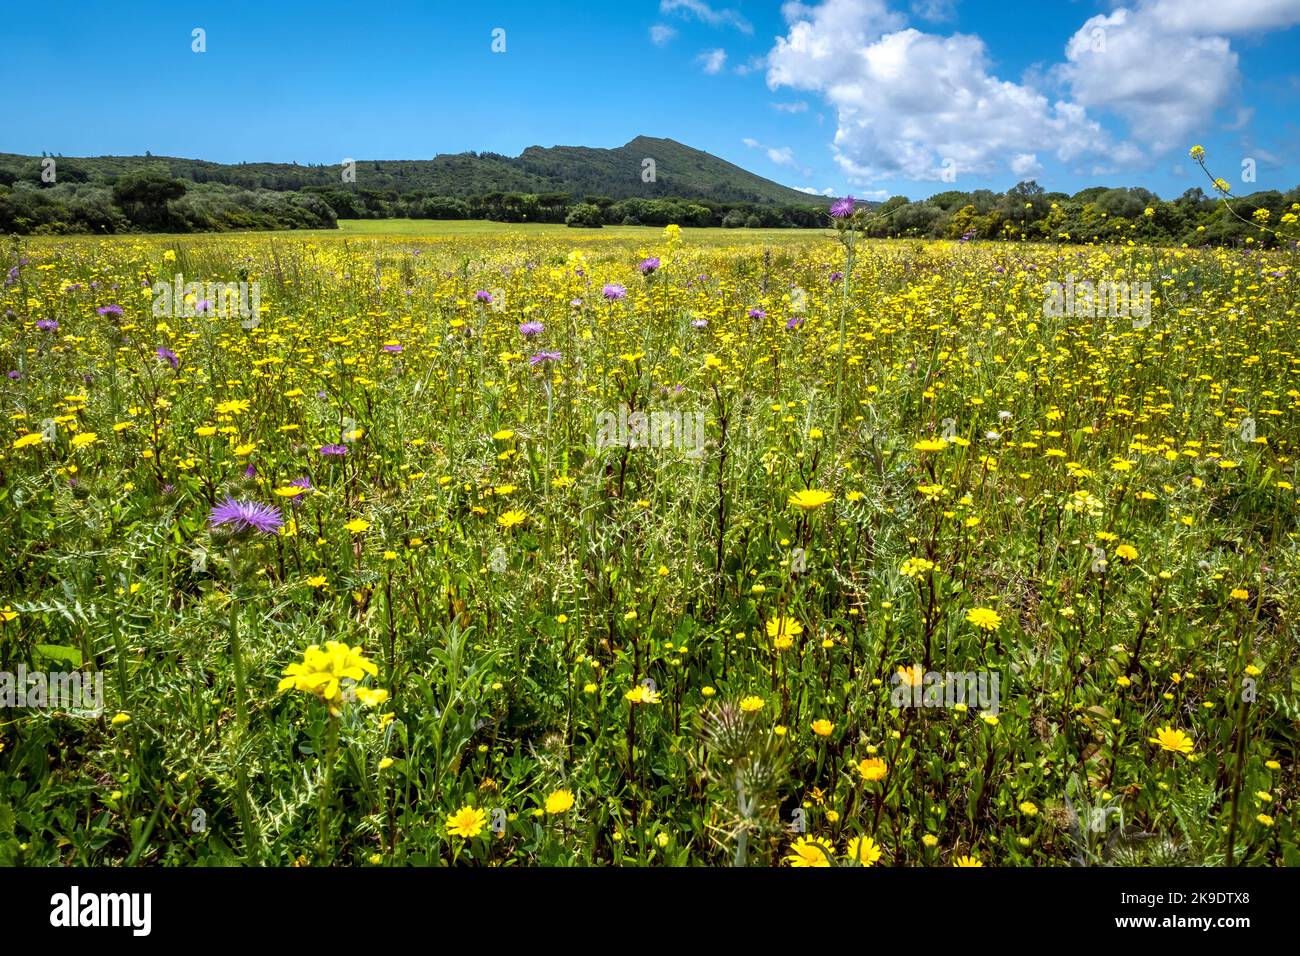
{"x": 150, "y": 199}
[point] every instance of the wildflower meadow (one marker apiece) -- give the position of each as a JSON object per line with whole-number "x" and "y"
{"x": 662, "y": 547}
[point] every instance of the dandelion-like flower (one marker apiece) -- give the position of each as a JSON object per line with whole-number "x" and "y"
{"x": 1174, "y": 741}
{"x": 984, "y": 618}
{"x": 810, "y": 852}
{"x": 466, "y": 823}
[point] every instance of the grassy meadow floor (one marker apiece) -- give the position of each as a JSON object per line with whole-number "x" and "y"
{"x": 944, "y": 578}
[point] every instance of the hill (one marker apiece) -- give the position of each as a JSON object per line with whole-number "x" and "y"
{"x": 577, "y": 171}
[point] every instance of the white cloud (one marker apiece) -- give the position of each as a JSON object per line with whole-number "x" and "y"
{"x": 908, "y": 103}
{"x": 799, "y": 106}
{"x": 778, "y": 155}
{"x": 812, "y": 191}
{"x": 1166, "y": 66}
{"x": 707, "y": 14}
{"x": 1218, "y": 16}
{"x": 936, "y": 11}
{"x": 660, "y": 34}
{"x": 912, "y": 104}
{"x": 712, "y": 60}
{"x": 1026, "y": 164}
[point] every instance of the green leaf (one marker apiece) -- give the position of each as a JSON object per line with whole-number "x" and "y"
{"x": 57, "y": 652}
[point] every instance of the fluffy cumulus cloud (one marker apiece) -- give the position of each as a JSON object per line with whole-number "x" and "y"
{"x": 917, "y": 105}
{"x": 1165, "y": 66}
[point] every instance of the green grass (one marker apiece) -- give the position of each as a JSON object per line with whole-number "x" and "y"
{"x": 475, "y": 227}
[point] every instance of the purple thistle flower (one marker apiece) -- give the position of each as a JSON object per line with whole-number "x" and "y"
{"x": 246, "y": 516}
{"x": 47, "y": 325}
{"x": 699, "y": 323}
{"x": 614, "y": 292}
{"x": 333, "y": 451}
{"x": 842, "y": 208}
{"x": 575, "y": 303}
{"x": 529, "y": 329}
{"x": 250, "y": 471}
{"x": 541, "y": 357}
{"x": 15, "y": 374}
{"x": 836, "y": 277}
{"x": 756, "y": 314}
{"x": 648, "y": 266}
{"x": 114, "y": 310}
{"x": 482, "y": 295}
{"x": 392, "y": 349}
{"x": 794, "y": 323}
{"x": 170, "y": 357}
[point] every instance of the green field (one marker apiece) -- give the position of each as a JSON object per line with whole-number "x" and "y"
{"x": 473, "y": 227}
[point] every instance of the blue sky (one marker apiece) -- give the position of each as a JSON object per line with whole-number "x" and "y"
{"x": 873, "y": 97}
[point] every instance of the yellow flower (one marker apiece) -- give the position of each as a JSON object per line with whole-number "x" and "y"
{"x": 1029, "y": 808}
{"x": 357, "y": 525}
{"x": 782, "y": 631}
{"x": 1173, "y": 740}
{"x": 810, "y": 499}
{"x": 810, "y": 852}
{"x": 910, "y": 676}
{"x": 872, "y": 769}
{"x": 930, "y": 445}
{"x": 864, "y": 850}
{"x": 322, "y": 671}
{"x": 915, "y": 567}
{"x": 642, "y": 694}
{"x": 27, "y": 441}
{"x": 823, "y": 727}
{"x": 984, "y": 618}
{"x": 1239, "y": 594}
{"x": 1126, "y": 552}
{"x": 466, "y": 822}
{"x": 752, "y": 704}
{"x": 504, "y": 435}
{"x": 965, "y": 861}
{"x": 385, "y": 763}
{"x": 559, "y": 802}
{"x": 290, "y": 491}
{"x": 120, "y": 719}
{"x": 512, "y": 518}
